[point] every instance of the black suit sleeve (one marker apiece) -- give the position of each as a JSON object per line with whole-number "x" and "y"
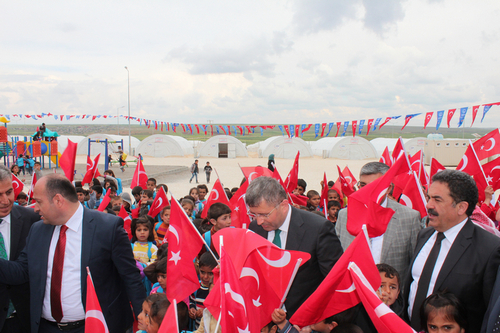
{"x": 329, "y": 248}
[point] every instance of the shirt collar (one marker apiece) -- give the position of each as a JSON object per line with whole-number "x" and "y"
{"x": 452, "y": 233}
{"x": 286, "y": 224}
{"x": 75, "y": 221}
{"x": 5, "y": 219}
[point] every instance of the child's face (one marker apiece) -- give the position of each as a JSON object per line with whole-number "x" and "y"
{"x": 332, "y": 212}
{"x": 188, "y": 209}
{"x": 37, "y": 167}
{"x": 162, "y": 280}
{"x": 206, "y": 275}
{"x": 137, "y": 197}
{"x": 117, "y": 203}
{"x": 314, "y": 201}
{"x": 81, "y": 197}
{"x": 194, "y": 194}
{"x": 153, "y": 326}
{"x": 333, "y": 196}
{"x": 165, "y": 217}
{"x": 389, "y": 289}
{"x": 142, "y": 233}
{"x": 438, "y": 321}
{"x": 202, "y": 193}
{"x": 144, "y": 197}
{"x": 151, "y": 185}
{"x": 322, "y": 327}
{"x": 222, "y": 222}
{"x": 300, "y": 190}
{"x": 21, "y": 202}
{"x": 143, "y": 317}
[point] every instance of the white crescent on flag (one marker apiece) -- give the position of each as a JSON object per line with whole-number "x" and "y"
{"x": 495, "y": 167}
{"x": 406, "y": 200}
{"x": 160, "y": 202}
{"x": 492, "y": 144}
{"x": 172, "y": 230}
{"x": 235, "y": 296}
{"x": 99, "y": 316}
{"x": 250, "y": 176}
{"x": 381, "y": 194}
{"x": 465, "y": 160}
{"x": 348, "y": 177}
{"x": 247, "y": 271}
{"x": 348, "y": 290}
{"x": 282, "y": 262}
{"x": 15, "y": 183}
{"x": 216, "y": 194}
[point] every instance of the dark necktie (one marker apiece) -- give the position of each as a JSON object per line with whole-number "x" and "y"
{"x": 277, "y": 238}
{"x": 56, "y": 279}
{"x": 423, "y": 282}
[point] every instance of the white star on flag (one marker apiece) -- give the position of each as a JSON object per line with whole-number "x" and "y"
{"x": 175, "y": 256}
{"x": 489, "y": 179}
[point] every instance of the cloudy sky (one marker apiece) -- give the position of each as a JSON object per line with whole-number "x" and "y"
{"x": 270, "y": 62}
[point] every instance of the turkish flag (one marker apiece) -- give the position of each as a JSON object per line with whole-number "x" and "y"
{"x": 127, "y": 221}
{"x": 94, "y": 319}
{"x": 428, "y": 117}
{"x": 216, "y": 195}
{"x": 32, "y": 187}
{"x": 486, "y": 146}
{"x": 184, "y": 244}
{"x": 337, "y": 293}
{"x": 435, "y": 167}
{"x": 346, "y": 187}
{"x": 386, "y": 157}
{"x": 492, "y": 172}
{"x": 170, "y": 323}
{"x": 298, "y": 199}
{"x": 251, "y": 173}
{"x": 324, "y": 194}
{"x": 277, "y": 176}
{"x": 140, "y": 178}
{"x": 398, "y": 150}
{"x": 92, "y": 171}
{"x": 354, "y": 127}
{"x": 293, "y": 176}
{"x": 349, "y": 177}
{"x": 239, "y": 216}
{"x": 475, "y": 108}
{"x": 471, "y": 165}
{"x": 338, "y": 187}
{"x": 413, "y": 196}
{"x": 384, "y": 319}
{"x": 370, "y": 123}
{"x": 417, "y": 165}
{"x": 105, "y": 202}
{"x": 159, "y": 202}
{"x": 67, "y": 160}
{"x": 17, "y": 185}
{"x": 451, "y": 112}
{"x": 365, "y": 204}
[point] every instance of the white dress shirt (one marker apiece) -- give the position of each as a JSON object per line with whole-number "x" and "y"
{"x": 5, "y": 230}
{"x": 421, "y": 258}
{"x": 71, "y": 289}
{"x": 284, "y": 229}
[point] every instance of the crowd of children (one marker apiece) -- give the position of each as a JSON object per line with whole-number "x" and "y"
{"x": 441, "y": 311}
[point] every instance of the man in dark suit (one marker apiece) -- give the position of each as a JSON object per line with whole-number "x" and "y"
{"x": 453, "y": 253}
{"x": 69, "y": 239}
{"x": 15, "y": 224}
{"x": 293, "y": 229}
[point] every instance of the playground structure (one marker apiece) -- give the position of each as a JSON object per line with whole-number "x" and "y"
{"x": 106, "y": 151}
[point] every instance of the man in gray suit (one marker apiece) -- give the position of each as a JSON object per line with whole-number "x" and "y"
{"x": 395, "y": 247}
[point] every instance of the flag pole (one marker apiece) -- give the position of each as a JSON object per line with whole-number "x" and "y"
{"x": 221, "y": 243}
{"x": 289, "y": 196}
{"x": 31, "y": 185}
{"x": 296, "y": 268}
{"x": 196, "y": 230}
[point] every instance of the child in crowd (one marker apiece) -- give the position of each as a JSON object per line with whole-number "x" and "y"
{"x": 313, "y": 199}
{"x": 161, "y": 227}
{"x": 151, "y": 184}
{"x": 165, "y": 188}
{"x": 116, "y": 201}
{"x": 333, "y": 195}
{"x": 219, "y": 215}
{"x": 389, "y": 291}
{"x": 143, "y": 317}
{"x": 188, "y": 206}
{"x": 22, "y": 199}
{"x": 122, "y": 161}
{"x": 158, "y": 311}
{"x": 38, "y": 170}
{"x": 198, "y": 206}
{"x": 333, "y": 210}
{"x": 95, "y": 197}
{"x": 160, "y": 270}
{"x": 146, "y": 202}
{"x": 443, "y": 312}
{"x": 109, "y": 174}
{"x": 206, "y": 264}
{"x": 30, "y": 164}
{"x": 142, "y": 240}
{"x": 136, "y": 193}
{"x": 80, "y": 192}
{"x": 126, "y": 201}
{"x": 208, "y": 171}
{"x": 202, "y": 192}
{"x": 20, "y": 165}
{"x": 301, "y": 187}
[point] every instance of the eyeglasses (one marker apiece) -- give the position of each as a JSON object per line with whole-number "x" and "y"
{"x": 254, "y": 216}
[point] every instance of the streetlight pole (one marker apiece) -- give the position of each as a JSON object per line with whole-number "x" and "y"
{"x": 129, "y": 138}
{"x": 118, "y": 118}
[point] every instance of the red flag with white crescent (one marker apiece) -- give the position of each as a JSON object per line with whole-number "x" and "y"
{"x": 32, "y": 187}
{"x": 487, "y": 145}
{"x": 92, "y": 171}
{"x": 17, "y": 185}
{"x": 347, "y": 189}
{"x": 370, "y": 123}
{"x": 140, "y": 177}
{"x": 475, "y": 108}
{"x": 251, "y": 173}
{"x": 159, "y": 202}
{"x": 428, "y": 117}
{"x": 435, "y": 167}
{"x": 239, "y": 216}
{"x": 348, "y": 176}
{"x": 216, "y": 195}
{"x": 293, "y": 176}
{"x": 413, "y": 196}
{"x": 354, "y": 127}
{"x": 94, "y": 318}
{"x": 451, "y": 112}
{"x": 386, "y": 157}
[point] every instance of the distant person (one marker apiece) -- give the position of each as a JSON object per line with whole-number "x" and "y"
{"x": 270, "y": 163}
{"x": 38, "y": 170}
{"x": 20, "y": 164}
{"x": 194, "y": 171}
{"x": 208, "y": 171}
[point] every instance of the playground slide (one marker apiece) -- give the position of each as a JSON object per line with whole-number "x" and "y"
{"x": 53, "y": 159}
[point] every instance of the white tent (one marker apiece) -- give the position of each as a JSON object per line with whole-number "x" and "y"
{"x": 99, "y": 147}
{"x": 412, "y": 146}
{"x": 284, "y": 147}
{"x": 62, "y": 141}
{"x": 344, "y": 148}
{"x": 223, "y": 146}
{"x": 160, "y": 145}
